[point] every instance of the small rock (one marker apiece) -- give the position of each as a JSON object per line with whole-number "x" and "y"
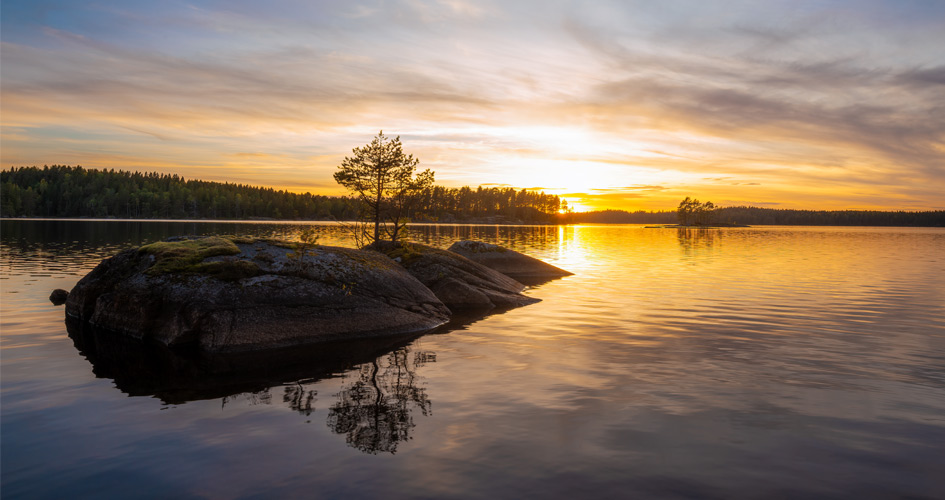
{"x": 58, "y": 296}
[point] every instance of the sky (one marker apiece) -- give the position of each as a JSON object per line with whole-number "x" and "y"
{"x": 633, "y": 105}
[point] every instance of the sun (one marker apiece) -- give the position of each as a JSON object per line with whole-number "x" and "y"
{"x": 574, "y": 205}
{"x": 567, "y": 159}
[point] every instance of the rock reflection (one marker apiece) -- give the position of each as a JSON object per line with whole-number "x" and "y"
{"x": 381, "y": 390}
{"x": 178, "y": 376}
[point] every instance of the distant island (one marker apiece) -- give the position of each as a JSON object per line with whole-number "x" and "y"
{"x": 65, "y": 192}
{"x": 755, "y": 216}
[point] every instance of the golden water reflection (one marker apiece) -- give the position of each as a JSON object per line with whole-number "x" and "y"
{"x": 674, "y": 362}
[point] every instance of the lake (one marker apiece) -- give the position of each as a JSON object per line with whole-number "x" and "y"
{"x": 719, "y": 363}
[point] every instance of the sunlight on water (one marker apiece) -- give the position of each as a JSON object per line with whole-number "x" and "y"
{"x": 673, "y": 363}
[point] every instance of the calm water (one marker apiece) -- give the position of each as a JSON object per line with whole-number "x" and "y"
{"x": 733, "y": 363}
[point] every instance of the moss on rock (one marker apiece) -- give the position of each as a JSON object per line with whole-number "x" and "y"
{"x": 187, "y": 256}
{"x": 469, "y": 246}
{"x": 402, "y": 252}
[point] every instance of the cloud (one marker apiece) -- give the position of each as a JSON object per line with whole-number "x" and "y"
{"x": 895, "y": 129}
{"x": 752, "y": 203}
{"x": 923, "y": 79}
{"x": 628, "y": 189}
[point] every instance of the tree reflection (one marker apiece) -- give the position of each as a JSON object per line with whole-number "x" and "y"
{"x": 380, "y": 394}
{"x": 696, "y": 241}
{"x": 300, "y": 398}
{"x": 375, "y": 411}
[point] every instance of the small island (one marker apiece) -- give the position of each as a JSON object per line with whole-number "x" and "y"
{"x": 236, "y": 294}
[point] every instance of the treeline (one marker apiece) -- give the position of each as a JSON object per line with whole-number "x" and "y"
{"x": 64, "y": 191}
{"x": 777, "y": 216}
{"x": 486, "y": 204}
{"x": 621, "y": 217}
{"x": 769, "y": 216}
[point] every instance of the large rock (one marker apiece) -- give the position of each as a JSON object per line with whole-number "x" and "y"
{"x": 457, "y": 281}
{"x": 505, "y": 261}
{"x": 230, "y": 294}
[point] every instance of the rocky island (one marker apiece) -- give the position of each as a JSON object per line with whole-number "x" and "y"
{"x": 239, "y": 294}
{"x": 514, "y": 264}
{"x": 458, "y": 282}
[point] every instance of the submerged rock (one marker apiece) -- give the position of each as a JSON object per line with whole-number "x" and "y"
{"x": 228, "y": 294}
{"x": 508, "y": 262}
{"x": 457, "y": 281}
{"x": 58, "y": 297}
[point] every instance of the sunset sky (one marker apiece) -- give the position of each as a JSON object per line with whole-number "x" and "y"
{"x": 625, "y": 104}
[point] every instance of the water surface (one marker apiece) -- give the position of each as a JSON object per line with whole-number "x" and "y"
{"x": 728, "y": 363}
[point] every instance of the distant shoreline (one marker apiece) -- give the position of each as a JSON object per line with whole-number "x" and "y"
{"x": 453, "y": 223}
{"x": 276, "y": 221}
{"x": 90, "y": 194}
{"x": 711, "y": 226}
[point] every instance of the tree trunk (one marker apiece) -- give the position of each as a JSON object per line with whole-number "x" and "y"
{"x": 377, "y": 212}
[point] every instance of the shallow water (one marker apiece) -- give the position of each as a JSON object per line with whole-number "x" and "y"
{"x": 726, "y": 363}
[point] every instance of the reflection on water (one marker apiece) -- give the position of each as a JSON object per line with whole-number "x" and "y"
{"x": 675, "y": 363}
{"x": 697, "y": 243}
{"x": 375, "y": 410}
{"x": 375, "y": 407}
{"x": 177, "y": 376}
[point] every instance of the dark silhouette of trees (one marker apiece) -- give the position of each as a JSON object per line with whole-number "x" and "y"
{"x": 776, "y": 216}
{"x": 620, "y": 217}
{"x": 691, "y": 211}
{"x": 770, "y": 216}
{"x": 492, "y": 205}
{"x": 704, "y": 213}
{"x": 686, "y": 210}
{"x": 63, "y": 191}
{"x": 383, "y": 181}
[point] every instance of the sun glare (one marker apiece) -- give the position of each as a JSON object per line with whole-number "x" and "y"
{"x": 575, "y": 205}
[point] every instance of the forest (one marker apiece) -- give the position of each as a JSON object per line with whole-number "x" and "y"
{"x": 65, "y": 191}
{"x": 769, "y": 216}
